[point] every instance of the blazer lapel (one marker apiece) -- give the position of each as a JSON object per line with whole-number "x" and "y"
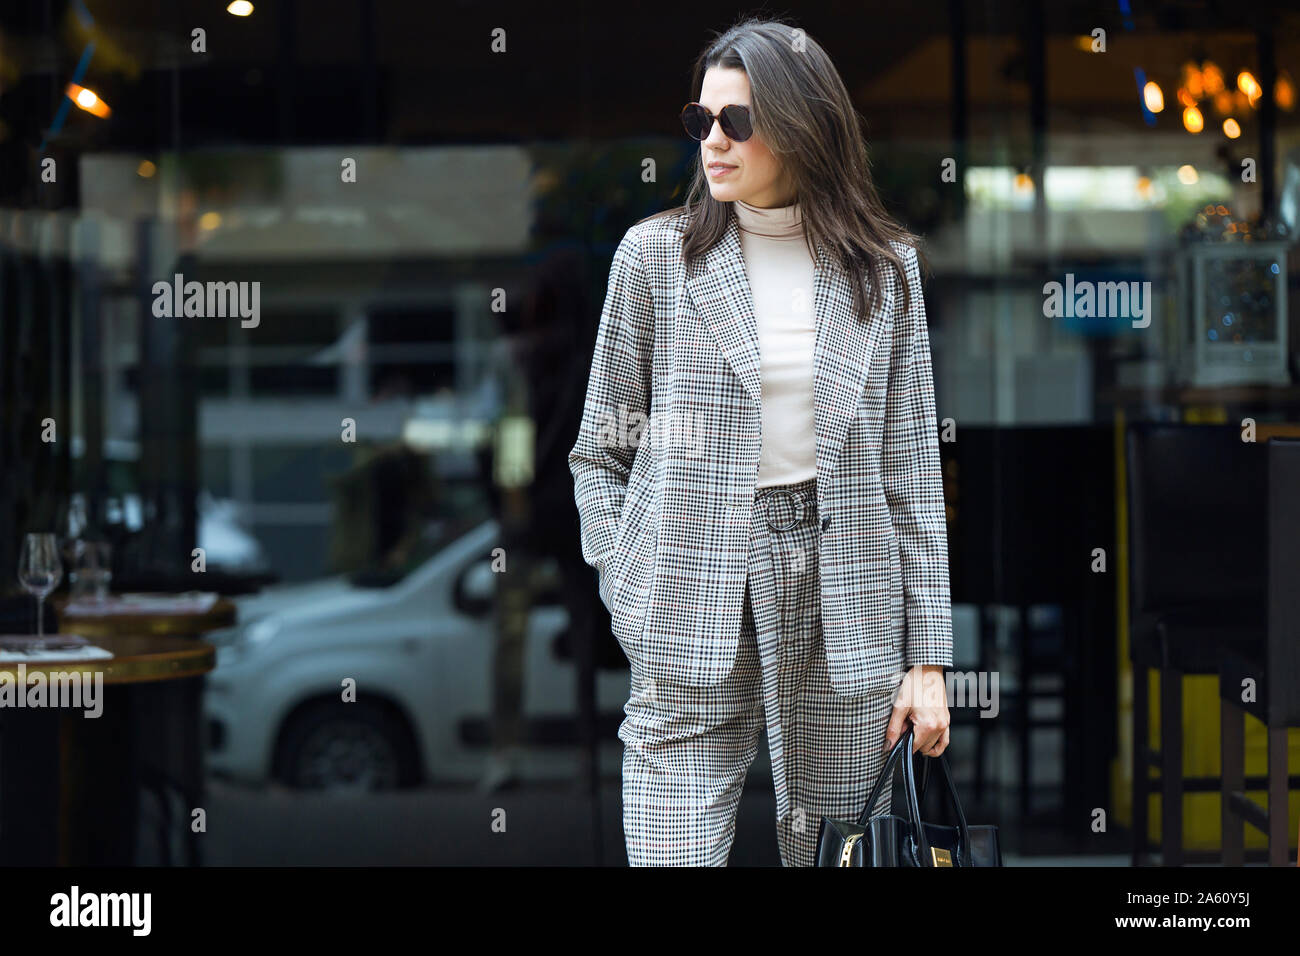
{"x": 720, "y": 290}
{"x": 842, "y": 359}
{"x": 844, "y": 346}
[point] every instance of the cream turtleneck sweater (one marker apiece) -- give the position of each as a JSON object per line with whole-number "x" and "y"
{"x": 780, "y": 271}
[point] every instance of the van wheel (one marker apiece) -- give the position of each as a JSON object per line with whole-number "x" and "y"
{"x": 346, "y": 747}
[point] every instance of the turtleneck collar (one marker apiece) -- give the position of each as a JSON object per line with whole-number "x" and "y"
{"x": 778, "y": 222}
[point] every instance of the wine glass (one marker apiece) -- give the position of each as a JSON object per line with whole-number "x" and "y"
{"x": 95, "y": 570}
{"x": 39, "y": 572}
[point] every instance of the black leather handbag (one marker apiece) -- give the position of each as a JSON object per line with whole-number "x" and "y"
{"x": 888, "y": 839}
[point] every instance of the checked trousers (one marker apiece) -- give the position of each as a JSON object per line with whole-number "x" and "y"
{"x": 687, "y": 750}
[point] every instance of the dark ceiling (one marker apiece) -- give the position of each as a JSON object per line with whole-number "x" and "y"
{"x": 382, "y": 71}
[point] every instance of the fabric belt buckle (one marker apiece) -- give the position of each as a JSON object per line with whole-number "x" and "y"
{"x": 796, "y": 502}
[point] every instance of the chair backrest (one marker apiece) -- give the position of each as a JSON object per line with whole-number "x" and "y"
{"x": 1026, "y": 504}
{"x": 1283, "y": 696}
{"x": 1197, "y": 516}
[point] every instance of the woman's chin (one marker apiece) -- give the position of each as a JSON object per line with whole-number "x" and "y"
{"x": 724, "y": 193}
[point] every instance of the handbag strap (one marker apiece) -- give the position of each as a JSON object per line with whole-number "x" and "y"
{"x": 963, "y": 831}
{"x": 922, "y": 848}
{"x": 886, "y": 774}
{"x": 902, "y": 750}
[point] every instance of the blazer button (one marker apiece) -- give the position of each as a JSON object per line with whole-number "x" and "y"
{"x": 826, "y": 522}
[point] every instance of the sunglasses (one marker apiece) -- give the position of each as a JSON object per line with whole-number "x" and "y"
{"x": 735, "y": 121}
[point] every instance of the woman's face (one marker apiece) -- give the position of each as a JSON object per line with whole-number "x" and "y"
{"x": 747, "y": 171}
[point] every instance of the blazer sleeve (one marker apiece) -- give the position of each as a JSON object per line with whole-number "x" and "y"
{"x": 913, "y": 482}
{"x": 618, "y": 387}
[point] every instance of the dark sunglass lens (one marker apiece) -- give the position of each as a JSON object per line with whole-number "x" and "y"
{"x": 697, "y": 121}
{"x": 736, "y": 123}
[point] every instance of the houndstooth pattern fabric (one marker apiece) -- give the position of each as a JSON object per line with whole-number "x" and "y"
{"x": 666, "y": 461}
{"x": 687, "y": 749}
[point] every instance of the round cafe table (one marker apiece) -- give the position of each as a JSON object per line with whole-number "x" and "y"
{"x": 136, "y": 658}
{"x": 72, "y": 787}
{"x": 222, "y": 614}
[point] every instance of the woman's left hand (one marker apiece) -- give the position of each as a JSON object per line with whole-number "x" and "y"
{"x": 923, "y": 697}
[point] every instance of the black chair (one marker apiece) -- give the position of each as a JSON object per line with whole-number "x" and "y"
{"x": 1026, "y": 505}
{"x": 1197, "y": 548}
{"x": 1274, "y": 667}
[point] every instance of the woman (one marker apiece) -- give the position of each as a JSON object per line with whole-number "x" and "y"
{"x": 757, "y": 470}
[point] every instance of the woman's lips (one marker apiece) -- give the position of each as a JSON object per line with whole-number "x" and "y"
{"x": 717, "y": 170}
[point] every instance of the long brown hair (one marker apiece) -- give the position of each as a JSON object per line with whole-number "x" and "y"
{"x": 802, "y": 110}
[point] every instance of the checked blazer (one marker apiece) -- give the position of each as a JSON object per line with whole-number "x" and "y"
{"x": 665, "y": 509}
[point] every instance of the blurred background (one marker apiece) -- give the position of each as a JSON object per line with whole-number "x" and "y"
{"x": 350, "y": 476}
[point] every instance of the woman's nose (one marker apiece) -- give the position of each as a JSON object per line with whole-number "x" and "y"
{"x": 716, "y": 137}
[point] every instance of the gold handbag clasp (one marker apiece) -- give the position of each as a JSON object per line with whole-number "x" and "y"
{"x": 847, "y": 853}
{"x": 940, "y": 856}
